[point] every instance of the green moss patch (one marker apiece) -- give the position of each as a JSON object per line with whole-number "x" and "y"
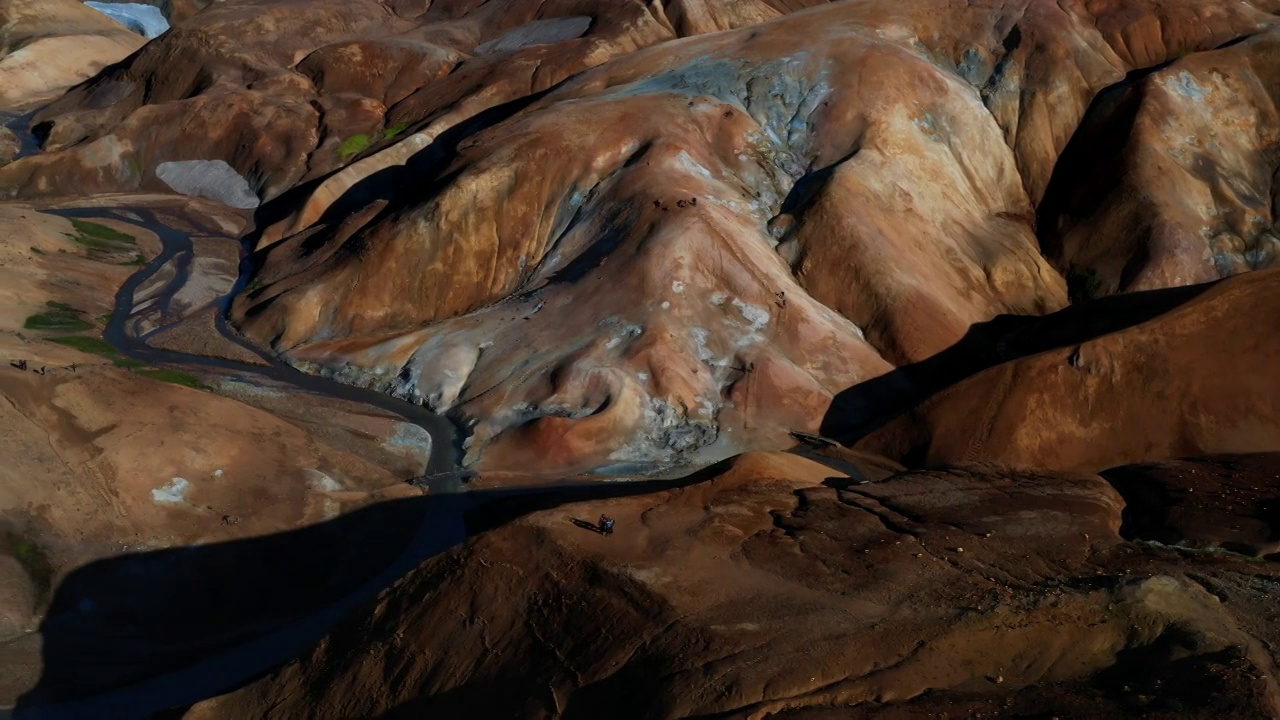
{"x": 98, "y": 346}
{"x": 395, "y": 130}
{"x": 100, "y": 238}
{"x": 353, "y": 146}
{"x": 101, "y": 232}
{"x": 174, "y": 376}
{"x": 63, "y": 318}
{"x": 35, "y": 561}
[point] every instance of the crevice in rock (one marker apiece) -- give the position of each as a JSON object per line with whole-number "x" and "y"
{"x": 1089, "y": 169}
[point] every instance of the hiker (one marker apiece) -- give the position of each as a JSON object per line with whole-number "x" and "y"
{"x": 606, "y": 525}
{"x": 20, "y": 364}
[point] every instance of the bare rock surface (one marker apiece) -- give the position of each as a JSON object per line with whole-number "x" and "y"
{"x": 1185, "y": 156}
{"x": 1176, "y": 378}
{"x": 777, "y": 589}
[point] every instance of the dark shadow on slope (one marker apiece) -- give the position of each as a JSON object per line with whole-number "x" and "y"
{"x": 1222, "y": 501}
{"x": 579, "y": 522}
{"x": 858, "y": 411}
{"x": 1087, "y": 175}
{"x": 143, "y": 633}
{"x": 1147, "y": 503}
{"x": 1088, "y": 170}
{"x": 422, "y": 176}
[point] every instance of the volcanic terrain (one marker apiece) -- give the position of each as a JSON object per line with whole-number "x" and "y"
{"x": 923, "y": 352}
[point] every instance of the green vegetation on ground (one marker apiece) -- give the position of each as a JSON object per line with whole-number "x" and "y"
{"x": 58, "y": 317}
{"x": 101, "y": 232}
{"x": 98, "y": 346}
{"x": 394, "y": 130}
{"x": 100, "y": 238}
{"x": 353, "y": 146}
{"x": 173, "y": 376}
{"x": 64, "y": 317}
{"x": 254, "y": 285}
{"x": 35, "y": 561}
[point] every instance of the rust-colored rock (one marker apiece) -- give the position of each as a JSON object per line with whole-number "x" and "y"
{"x": 760, "y": 592}
{"x": 621, "y": 240}
{"x": 746, "y": 166}
{"x": 1183, "y": 379}
{"x": 1169, "y": 180}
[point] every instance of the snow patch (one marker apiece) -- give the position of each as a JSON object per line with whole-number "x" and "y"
{"x": 538, "y": 32}
{"x": 175, "y": 491}
{"x": 411, "y": 437}
{"x": 1185, "y": 84}
{"x": 210, "y": 179}
{"x": 144, "y": 20}
{"x": 321, "y": 482}
{"x": 758, "y": 317}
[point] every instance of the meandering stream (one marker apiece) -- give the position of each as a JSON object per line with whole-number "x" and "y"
{"x": 441, "y": 474}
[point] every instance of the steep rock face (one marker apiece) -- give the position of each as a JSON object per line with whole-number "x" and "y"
{"x": 762, "y": 592}
{"x": 46, "y": 46}
{"x": 1184, "y": 383}
{"x": 1169, "y": 181}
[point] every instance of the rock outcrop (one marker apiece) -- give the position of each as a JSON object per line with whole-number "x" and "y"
{"x": 1169, "y": 180}
{"x": 777, "y": 590}
{"x": 1182, "y": 380}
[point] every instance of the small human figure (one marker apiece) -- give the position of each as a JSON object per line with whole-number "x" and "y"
{"x": 606, "y": 525}
{"x": 20, "y": 364}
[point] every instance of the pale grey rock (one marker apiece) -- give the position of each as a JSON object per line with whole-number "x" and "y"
{"x": 538, "y": 32}
{"x": 211, "y": 179}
